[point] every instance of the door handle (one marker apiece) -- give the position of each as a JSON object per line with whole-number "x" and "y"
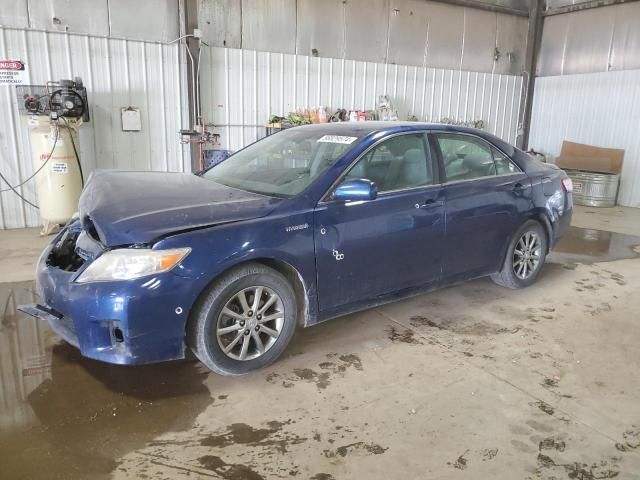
{"x": 519, "y": 187}
{"x": 430, "y": 203}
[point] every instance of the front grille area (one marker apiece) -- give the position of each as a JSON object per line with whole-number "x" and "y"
{"x": 63, "y": 255}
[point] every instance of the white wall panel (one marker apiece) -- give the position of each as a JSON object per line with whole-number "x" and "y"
{"x": 242, "y": 88}
{"x": 601, "y": 109}
{"x": 221, "y": 22}
{"x": 408, "y": 32}
{"x": 511, "y": 42}
{"x": 366, "y": 29}
{"x": 446, "y": 36}
{"x": 117, "y": 73}
{"x": 403, "y": 32}
{"x": 479, "y": 42}
{"x": 563, "y": 3}
{"x": 78, "y": 16}
{"x": 593, "y": 40}
{"x": 269, "y": 25}
{"x": 144, "y": 19}
{"x": 14, "y": 13}
{"x": 625, "y": 46}
{"x": 588, "y": 44}
{"x": 320, "y": 26}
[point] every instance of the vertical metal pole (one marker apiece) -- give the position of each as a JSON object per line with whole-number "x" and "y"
{"x": 189, "y": 21}
{"x": 534, "y": 37}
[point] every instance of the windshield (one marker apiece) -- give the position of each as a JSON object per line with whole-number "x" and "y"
{"x": 283, "y": 164}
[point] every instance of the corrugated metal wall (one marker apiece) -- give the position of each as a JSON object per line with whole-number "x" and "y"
{"x": 589, "y": 86}
{"x": 596, "y": 40}
{"x": 241, "y": 89}
{"x": 406, "y": 32}
{"x": 116, "y": 18}
{"x": 601, "y": 109}
{"x": 563, "y": 3}
{"x": 117, "y": 73}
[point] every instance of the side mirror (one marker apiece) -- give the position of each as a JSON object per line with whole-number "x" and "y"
{"x": 356, "y": 190}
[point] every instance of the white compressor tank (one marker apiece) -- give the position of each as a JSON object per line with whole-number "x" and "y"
{"x": 59, "y": 182}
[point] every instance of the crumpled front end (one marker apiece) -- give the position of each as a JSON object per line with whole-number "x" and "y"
{"x": 125, "y": 322}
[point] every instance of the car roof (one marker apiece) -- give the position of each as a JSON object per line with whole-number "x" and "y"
{"x": 366, "y": 127}
{"x": 363, "y": 129}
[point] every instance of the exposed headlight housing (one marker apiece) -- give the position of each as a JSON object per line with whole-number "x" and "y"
{"x": 131, "y": 263}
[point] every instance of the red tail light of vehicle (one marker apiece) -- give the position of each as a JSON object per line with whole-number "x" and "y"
{"x": 567, "y": 185}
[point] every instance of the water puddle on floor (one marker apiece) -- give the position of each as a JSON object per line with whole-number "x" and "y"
{"x": 73, "y": 417}
{"x": 586, "y": 245}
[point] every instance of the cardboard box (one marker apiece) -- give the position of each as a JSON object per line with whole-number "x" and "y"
{"x": 577, "y": 156}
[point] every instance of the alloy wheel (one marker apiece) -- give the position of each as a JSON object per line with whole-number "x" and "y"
{"x": 526, "y": 255}
{"x": 250, "y": 323}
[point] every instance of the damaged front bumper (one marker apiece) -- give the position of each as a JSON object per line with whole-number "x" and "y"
{"x": 124, "y": 322}
{"x": 60, "y": 324}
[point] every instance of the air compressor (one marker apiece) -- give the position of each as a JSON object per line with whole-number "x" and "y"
{"x": 54, "y": 113}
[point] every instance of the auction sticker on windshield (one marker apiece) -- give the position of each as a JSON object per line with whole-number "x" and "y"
{"x": 337, "y": 139}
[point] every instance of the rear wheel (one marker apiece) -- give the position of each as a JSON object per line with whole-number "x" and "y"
{"x": 245, "y": 320}
{"x": 525, "y": 257}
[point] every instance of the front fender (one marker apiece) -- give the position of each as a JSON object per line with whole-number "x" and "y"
{"x": 286, "y": 238}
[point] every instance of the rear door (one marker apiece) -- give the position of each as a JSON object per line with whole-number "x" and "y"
{"x": 487, "y": 198}
{"x": 370, "y": 248}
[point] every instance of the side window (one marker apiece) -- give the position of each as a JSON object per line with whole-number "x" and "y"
{"x": 402, "y": 162}
{"x": 465, "y": 157}
{"x": 503, "y": 164}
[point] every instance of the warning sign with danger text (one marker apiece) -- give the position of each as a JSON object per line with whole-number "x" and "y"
{"x": 12, "y": 72}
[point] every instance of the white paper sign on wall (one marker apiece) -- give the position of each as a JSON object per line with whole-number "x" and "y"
{"x": 131, "y": 121}
{"x": 12, "y": 72}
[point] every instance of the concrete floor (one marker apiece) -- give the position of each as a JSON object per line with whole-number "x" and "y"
{"x": 473, "y": 381}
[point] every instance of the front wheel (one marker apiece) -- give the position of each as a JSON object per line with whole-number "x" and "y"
{"x": 245, "y": 320}
{"x": 525, "y": 257}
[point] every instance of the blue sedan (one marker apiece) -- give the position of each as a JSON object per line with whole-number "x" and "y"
{"x": 308, "y": 224}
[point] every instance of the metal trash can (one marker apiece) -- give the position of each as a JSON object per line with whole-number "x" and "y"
{"x": 594, "y": 189}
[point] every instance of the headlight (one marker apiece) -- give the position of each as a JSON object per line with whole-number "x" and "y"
{"x": 127, "y": 264}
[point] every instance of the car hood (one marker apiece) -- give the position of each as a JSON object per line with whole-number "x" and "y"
{"x": 138, "y": 207}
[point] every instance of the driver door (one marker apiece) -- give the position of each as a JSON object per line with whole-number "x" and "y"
{"x": 365, "y": 249}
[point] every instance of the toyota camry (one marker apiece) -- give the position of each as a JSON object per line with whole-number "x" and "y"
{"x": 305, "y": 225}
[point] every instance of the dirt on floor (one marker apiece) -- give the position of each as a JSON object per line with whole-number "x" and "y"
{"x": 473, "y": 381}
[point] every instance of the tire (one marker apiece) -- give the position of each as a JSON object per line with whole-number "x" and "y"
{"x": 220, "y": 308}
{"x": 511, "y": 275}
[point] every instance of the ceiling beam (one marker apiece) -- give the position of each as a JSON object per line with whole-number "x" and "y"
{"x": 583, "y": 6}
{"x": 486, "y": 6}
